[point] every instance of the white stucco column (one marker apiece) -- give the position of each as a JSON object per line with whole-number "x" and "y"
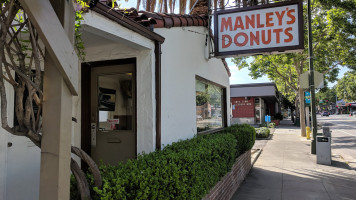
{"x": 56, "y": 140}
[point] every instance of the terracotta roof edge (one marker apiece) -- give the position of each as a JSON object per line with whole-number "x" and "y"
{"x": 226, "y": 66}
{"x": 125, "y": 21}
{"x": 168, "y": 19}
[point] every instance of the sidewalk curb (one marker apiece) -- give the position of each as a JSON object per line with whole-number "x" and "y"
{"x": 258, "y": 153}
{"x": 267, "y": 138}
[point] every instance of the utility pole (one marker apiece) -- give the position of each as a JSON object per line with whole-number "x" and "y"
{"x": 311, "y": 82}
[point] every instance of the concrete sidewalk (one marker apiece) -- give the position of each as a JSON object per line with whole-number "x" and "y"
{"x": 286, "y": 170}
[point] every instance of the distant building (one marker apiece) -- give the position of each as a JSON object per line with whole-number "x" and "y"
{"x": 251, "y": 102}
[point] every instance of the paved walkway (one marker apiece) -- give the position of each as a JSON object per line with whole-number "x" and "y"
{"x": 286, "y": 170}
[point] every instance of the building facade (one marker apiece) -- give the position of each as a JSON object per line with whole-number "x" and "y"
{"x": 250, "y": 103}
{"x": 138, "y": 88}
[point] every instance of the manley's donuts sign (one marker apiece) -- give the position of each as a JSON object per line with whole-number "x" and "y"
{"x": 269, "y": 28}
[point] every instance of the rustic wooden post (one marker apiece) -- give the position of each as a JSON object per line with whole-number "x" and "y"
{"x": 56, "y": 142}
{"x": 60, "y": 84}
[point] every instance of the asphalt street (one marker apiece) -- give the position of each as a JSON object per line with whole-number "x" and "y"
{"x": 343, "y": 135}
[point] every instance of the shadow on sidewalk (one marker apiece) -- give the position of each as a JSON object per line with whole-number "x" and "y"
{"x": 339, "y": 164}
{"x": 278, "y": 184}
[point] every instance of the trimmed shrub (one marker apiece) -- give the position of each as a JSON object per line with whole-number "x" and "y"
{"x": 245, "y": 136}
{"x": 262, "y": 132}
{"x": 184, "y": 170}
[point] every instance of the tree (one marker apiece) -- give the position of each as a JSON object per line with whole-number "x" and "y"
{"x": 327, "y": 95}
{"x": 333, "y": 45}
{"x": 346, "y": 87}
{"x": 21, "y": 60}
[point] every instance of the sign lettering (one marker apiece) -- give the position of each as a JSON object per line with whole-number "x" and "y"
{"x": 261, "y": 29}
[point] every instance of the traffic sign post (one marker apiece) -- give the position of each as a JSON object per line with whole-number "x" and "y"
{"x": 311, "y": 82}
{"x": 267, "y": 119}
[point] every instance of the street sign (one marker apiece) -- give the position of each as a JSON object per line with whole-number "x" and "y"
{"x": 267, "y": 118}
{"x": 318, "y": 80}
{"x": 307, "y": 97}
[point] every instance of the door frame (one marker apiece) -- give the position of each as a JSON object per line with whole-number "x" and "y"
{"x": 86, "y": 99}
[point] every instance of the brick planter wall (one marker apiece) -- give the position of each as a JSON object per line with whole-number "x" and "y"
{"x": 228, "y": 185}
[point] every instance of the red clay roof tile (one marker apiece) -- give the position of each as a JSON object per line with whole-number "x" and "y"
{"x": 176, "y": 20}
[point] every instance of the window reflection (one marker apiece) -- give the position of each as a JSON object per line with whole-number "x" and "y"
{"x": 209, "y": 109}
{"x": 115, "y": 102}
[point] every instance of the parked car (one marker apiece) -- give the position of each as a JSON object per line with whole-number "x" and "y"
{"x": 325, "y": 113}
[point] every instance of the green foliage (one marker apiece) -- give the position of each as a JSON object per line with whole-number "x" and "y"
{"x": 245, "y": 136}
{"x": 202, "y": 98}
{"x": 83, "y": 5}
{"x": 271, "y": 125}
{"x": 326, "y": 94}
{"x": 184, "y": 170}
{"x": 262, "y": 132}
{"x": 346, "y": 87}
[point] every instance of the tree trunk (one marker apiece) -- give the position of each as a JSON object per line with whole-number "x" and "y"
{"x": 302, "y": 112}
{"x": 296, "y": 106}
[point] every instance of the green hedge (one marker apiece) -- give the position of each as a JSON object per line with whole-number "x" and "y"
{"x": 184, "y": 170}
{"x": 245, "y": 136}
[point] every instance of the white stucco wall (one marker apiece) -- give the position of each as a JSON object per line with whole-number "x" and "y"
{"x": 107, "y": 40}
{"x": 20, "y": 163}
{"x": 3, "y": 151}
{"x": 182, "y": 59}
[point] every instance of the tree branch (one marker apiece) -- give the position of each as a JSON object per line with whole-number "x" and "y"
{"x": 285, "y": 78}
{"x": 24, "y": 77}
{"x": 92, "y": 165}
{"x": 82, "y": 183}
{"x": 331, "y": 68}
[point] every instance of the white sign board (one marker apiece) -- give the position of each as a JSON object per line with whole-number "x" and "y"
{"x": 275, "y": 27}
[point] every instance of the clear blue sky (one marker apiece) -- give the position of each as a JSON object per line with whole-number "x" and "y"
{"x": 241, "y": 76}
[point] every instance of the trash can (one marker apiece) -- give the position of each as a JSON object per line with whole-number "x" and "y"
{"x": 323, "y": 150}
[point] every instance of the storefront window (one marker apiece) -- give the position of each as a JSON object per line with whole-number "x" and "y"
{"x": 209, "y": 106}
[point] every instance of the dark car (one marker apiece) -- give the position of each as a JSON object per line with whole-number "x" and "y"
{"x": 325, "y": 113}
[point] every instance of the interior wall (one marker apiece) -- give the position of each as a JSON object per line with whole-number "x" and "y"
{"x": 182, "y": 59}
